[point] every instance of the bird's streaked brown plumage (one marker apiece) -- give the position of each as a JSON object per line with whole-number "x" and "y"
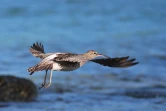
{"x": 72, "y": 61}
{"x": 40, "y": 67}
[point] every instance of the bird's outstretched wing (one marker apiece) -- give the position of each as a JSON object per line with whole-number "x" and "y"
{"x": 70, "y": 57}
{"x": 37, "y": 47}
{"x": 116, "y": 62}
{"x": 67, "y": 60}
{"x": 37, "y": 50}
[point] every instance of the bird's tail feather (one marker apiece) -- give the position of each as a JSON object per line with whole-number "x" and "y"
{"x": 32, "y": 69}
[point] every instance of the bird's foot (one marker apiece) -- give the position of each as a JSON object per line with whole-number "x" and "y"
{"x": 43, "y": 85}
{"x": 47, "y": 85}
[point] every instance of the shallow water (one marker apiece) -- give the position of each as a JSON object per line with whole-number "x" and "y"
{"x": 106, "y": 92}
{"x": 115, "y": 28}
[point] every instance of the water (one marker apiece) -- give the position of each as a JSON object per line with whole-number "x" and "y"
{"x": 112, "y": 27}
{"x": 116, "y": 28}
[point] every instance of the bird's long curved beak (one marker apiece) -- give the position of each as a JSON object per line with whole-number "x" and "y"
{"x": 100, "y": 54}
{"x": 103, "y": 55}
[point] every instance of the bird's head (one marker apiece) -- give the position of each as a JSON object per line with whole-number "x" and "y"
{"x": 92, "y": 54}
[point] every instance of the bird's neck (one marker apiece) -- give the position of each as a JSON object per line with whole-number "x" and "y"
{"x": 87, "y": 56}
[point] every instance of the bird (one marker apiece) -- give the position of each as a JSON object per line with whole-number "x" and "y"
{"x": 58, "y": 61}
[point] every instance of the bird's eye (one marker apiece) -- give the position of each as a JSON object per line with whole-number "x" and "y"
{"x": 95, "y": 53}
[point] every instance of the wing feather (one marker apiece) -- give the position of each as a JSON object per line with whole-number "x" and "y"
{"x": 37, "y": 50}
{"x": 116, "y": 62}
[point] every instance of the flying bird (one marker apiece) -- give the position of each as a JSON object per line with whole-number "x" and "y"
{"x": 71, "y": 61}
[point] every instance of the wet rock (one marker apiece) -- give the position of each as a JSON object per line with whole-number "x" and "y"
{"x": 3, "y": 105}
{"x": 146, "y": 92}
{"x": 160, "y": 56}
{"x": 16, "y": 89}
{"x": 59, "y": 88}
{"x": 59, "y": 99}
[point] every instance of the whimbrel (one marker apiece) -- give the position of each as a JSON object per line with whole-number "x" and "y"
{"x": 72, "y": 61}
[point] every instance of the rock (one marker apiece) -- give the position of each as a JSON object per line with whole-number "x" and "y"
{"x": 146, "y": 92}
{"x": 61, "y": 88}
{"x": 16, "y": 89}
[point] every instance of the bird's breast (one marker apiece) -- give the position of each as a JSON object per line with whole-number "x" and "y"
{"x": 65, "y": 66}
{"x": 56, "y": 67}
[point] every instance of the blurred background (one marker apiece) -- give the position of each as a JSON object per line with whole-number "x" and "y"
{"x": 116, "y": 28}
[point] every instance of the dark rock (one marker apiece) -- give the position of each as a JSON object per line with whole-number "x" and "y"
{"x": 16, "y": 89}
{"x": 146, "y": 92}
{"x": 59, "y": 99}
{"x": 59, "y": 88}
{"x": 3, "y": 105}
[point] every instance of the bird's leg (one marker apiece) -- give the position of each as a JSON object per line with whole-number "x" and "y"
{"x": 45, "y": 78}
{"x": 48, "y": 84}
{"x": 44, "y": 83}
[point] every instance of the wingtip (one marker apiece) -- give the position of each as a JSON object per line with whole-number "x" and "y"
{"x": 135, "y": 63}
{"x": 126, "y": 58}
{"x": 131, "y": 60}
